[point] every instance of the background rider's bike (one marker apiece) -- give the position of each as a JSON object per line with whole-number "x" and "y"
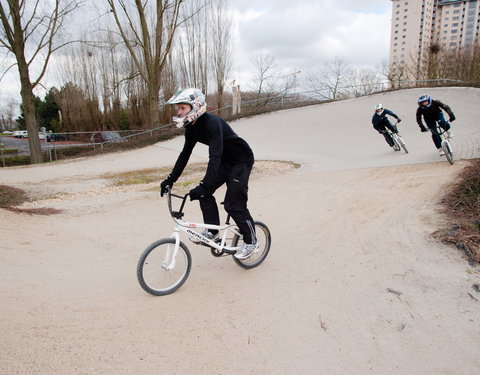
{"x": 164, "y": 266}
{"x": 446, "y": 145}
{"x": 398, "y": 142}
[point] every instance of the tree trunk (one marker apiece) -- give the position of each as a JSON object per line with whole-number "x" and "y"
{"x": 28, "y": 101}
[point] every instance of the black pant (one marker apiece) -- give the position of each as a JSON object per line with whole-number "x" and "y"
{"x": 432, "y": 125}
{"x": 388, "y": 137}
{"x": 236, "y": 177}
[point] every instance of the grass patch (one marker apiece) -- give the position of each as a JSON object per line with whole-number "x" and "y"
{"x": 462, "y": 205}
{"x": 6, "y": 151}
{"x": 11, "y": 197}
{"x": 150, "y": 176}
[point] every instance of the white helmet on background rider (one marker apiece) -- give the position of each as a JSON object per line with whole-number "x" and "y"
{"x": 379, "y": 109}
{"x": 195, "y": 99}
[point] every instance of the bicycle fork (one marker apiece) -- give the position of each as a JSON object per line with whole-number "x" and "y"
{"x": 171, "y": 254}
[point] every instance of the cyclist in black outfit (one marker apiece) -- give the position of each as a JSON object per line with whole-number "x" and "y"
{"x": 380, "y": 122}
{"x": 431, "y": 110}
{"x": 230, "y": 161}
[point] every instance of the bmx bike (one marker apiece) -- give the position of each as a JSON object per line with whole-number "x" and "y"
{"x": 398, "y": 142}
{"x": 445, "y": 143}
{"x": 165, "y": 265}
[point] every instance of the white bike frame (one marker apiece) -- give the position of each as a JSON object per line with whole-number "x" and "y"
{"x": 188, "y": 227}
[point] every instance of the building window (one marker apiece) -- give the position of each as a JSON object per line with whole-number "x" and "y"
{"x": 456, "y": 11}
{"x": 454, "y": 31}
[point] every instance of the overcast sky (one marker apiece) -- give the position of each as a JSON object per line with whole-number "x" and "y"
{"x": 304, "y": 34}
{"x": 300, "y": 35}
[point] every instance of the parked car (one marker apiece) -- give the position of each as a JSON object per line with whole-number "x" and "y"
{"x": 20, "y": 134}
{"x": 54, "y": 137}
{"x": 106, "y": 136}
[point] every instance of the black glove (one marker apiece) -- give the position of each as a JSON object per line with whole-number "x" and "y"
{"x": 167, "y": 183}
{"x": 399, "y": 120}
{"x": 423, "y": 129}
{"x": 197, "y": 193}
{"x": 452, "y": 118}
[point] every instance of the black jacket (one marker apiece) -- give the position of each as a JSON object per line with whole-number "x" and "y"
{"x": 380, "y": 121}
{"x": 431, "y": 113}
{"x": 224, "y": 146}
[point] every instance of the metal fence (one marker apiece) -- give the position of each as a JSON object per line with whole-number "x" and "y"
{"x": 61, "y": 145}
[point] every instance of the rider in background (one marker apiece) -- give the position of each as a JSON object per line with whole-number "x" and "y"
{"x": 380, "y": 123}
{"x": 431, "y": 110}
{"x": 230, "y": 161}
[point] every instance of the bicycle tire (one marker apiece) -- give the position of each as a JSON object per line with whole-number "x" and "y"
{"x": 396, "y": 145}
{"x": 402, "y": 143}
{"x": 447, "y": 149}
{"x": 264, "y": 239}
{"x": 152, "y": 275}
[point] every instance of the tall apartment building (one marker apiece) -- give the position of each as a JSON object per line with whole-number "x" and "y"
{"x": 419, "y": 24}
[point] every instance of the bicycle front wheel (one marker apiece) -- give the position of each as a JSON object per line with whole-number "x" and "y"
{"x": 402, "y": 143}
{"x": 162, "y": 268}
{"x": 447, "y": 149}
{"x": 396, "y": 145}
{"x": 264, "y": 240}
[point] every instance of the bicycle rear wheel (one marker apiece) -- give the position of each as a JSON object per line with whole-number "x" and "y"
{"x": 158, "y": 272}
{"x": 264, "y": 240}
{"x": 447, "y": 149}
{"x": 402, "y": 143}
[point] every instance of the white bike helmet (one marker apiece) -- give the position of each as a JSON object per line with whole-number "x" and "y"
{"x": 193, "y": 97}
{"x": 379, "y": 108}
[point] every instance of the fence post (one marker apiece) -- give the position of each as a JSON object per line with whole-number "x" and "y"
{"x": 236, "y": 99}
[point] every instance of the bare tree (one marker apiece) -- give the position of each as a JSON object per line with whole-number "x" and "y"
{"x": 395, "y": 73}
{"x": 147, "y": 29}
{"x": 362, "y": 82}
{"x": 265, "y": 77}
{"x": 192, "y": 52}
{"x": 7, "y": 112}
{"x": 327, "y": 83}
{"x": 222, "y": 63}
{"x": 30, "y": 32}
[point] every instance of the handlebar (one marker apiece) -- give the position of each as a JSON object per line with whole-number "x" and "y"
{"x": 176, "y": 214}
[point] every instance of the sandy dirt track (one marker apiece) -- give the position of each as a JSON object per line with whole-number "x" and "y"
{"x": 355, "y": 282}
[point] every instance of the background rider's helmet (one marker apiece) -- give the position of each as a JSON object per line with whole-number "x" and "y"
{"x": 379, "y": 109}
{"x": 193, "y": 97}
{"x": 425, "y": 98}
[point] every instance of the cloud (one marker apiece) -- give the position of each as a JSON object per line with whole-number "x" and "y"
{"x": 307, "y": 33}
